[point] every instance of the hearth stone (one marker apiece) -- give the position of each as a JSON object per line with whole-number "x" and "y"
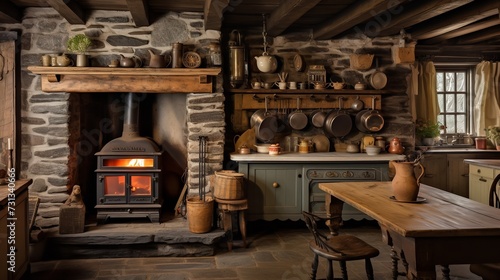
{"x": 135, "y": 239}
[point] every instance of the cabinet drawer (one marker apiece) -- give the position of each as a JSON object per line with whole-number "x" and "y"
{"x": 481, "y": 171}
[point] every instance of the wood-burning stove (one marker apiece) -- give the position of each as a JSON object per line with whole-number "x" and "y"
{"x": 129, "y": 173}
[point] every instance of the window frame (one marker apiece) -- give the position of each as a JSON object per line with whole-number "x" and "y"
{"x": 469, "y": 70}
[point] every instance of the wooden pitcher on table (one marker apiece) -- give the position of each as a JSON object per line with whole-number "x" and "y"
{"x": 405, "y": 185}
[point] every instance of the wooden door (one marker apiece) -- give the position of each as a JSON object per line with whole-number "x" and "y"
{"x": 7, "y": 100}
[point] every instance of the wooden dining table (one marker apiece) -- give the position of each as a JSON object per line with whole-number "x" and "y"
{"x": 439, "y": 228}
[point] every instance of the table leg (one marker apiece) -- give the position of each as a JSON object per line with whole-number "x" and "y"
{"x": 333, "y": 207}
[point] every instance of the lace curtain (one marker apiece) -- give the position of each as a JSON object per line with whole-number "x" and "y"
{"x": 487, "y": 96}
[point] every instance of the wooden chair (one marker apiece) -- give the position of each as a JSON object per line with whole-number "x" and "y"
{"x": 489, "y": 271}
{"x": 341, "y": 248}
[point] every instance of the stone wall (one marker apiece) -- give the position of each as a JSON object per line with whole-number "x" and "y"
{"x": 48, "y": 119}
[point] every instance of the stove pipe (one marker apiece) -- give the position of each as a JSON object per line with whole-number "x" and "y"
{"x": 131, "y": 117}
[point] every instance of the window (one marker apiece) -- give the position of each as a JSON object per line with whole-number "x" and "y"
{"x": 454, "y": 91}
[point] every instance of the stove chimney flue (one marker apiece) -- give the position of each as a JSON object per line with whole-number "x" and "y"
{"x": 131, "y": 117}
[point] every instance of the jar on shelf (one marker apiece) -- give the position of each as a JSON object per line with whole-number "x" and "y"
{"x": 214, "y": 58}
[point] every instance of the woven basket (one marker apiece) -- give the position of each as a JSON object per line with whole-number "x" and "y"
{"x": 361, "y": 61}
{"x": 406, "y": 55}
{"x": 228, "y": 185}
{"x": 200, "y": 214}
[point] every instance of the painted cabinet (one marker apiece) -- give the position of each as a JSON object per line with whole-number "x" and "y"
{"x": 480, "y": 180}
{"x": 274, "y": 191}
{"x": 449, "y": 171}
{"x": 283, "y": 190}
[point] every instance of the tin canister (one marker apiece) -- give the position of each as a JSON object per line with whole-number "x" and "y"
{"x": 177, "y": 55}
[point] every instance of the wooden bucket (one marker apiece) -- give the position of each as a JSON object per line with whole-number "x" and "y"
{"x": 200, "y": 214}
{"x": 229, "y": 185}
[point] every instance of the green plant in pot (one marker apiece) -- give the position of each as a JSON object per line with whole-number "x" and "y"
{"x": 428, "y": 131}
{"x": 79, "y": 44}
{"x": 493, "y": 136}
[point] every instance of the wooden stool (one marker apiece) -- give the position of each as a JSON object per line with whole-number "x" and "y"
{"x": 227, "y": 206}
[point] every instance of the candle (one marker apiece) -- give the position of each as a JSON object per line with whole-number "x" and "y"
{"x": 9, "y": 145}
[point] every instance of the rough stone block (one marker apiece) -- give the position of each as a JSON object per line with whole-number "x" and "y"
{"x": 72, "y": 218}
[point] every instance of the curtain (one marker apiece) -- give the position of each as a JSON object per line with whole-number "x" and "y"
{"x": 426, "y": 103}
{"x": 487, "y": 96}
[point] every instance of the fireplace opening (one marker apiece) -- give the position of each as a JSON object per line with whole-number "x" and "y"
{"x": 129, "y": 181}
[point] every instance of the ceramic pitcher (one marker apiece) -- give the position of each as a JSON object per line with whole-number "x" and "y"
{"x": 405, "y": 185}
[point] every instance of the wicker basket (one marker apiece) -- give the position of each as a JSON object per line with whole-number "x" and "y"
{"x": 406, "y": 55}
{"x": 228, "y": 185}
{"x": 361, "y": 61}
{"x": 200, "y": 214}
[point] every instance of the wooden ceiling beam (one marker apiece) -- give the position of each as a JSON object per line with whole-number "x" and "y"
{"x": 213, "y": 13}
{"x": 286, "y": 14}
{"x": 419, "y": 12}
{"x": 456, "y": 19}
{"x": 360, "y": 11}
{"x": 464, "y": 30}
{"x": 72, "y": 12}
{"x": 480, "y": 36}
{"x": 139, "y": 12}
{"x": 9, "y": 13}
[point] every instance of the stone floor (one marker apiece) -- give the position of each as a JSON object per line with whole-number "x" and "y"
{"x": 276, "y": 250}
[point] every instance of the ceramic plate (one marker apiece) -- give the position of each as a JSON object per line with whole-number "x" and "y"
{"x": 321, "y": 143}
{"x": 298, "y": 63}
{"x": 419, "y": 200}
{"x": 378, "y": 80}
{"x": 191, "y": 60}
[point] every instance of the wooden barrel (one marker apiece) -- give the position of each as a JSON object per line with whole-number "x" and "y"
{"x": 229, "y": 185}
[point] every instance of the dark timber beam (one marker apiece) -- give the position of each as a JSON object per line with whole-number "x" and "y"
{"x": 464, "y": 30}
{"x": 354, "y": 14}
{"x": 286, "y": 14}
{"x": 72, "y": 12}
{"x": 139, "y": 12}
{"x": 480, "y": 36}
{"x": 456, "y": 19}
{"x": 213, "y": 13}
{"x": 9, "y": 13}
{"x": 420, "y": 12}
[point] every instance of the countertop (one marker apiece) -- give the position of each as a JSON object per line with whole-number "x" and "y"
{"x": 315, "y": 157}
{"x": 20, "y": 186}
{"x": 488, "y": 163}
{"x": 441, "y": 149}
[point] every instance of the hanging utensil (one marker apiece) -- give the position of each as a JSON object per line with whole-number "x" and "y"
{"x": 357, "y": 105}
{"x": 339, "y": 123}
{"x": 369, "y": 120}
{"x": 297, "y": 119}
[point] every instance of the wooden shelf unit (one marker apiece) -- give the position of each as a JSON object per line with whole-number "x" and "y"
{"x": 108, "y": 79}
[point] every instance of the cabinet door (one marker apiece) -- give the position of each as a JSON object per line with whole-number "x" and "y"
{"x": 435, "y": 166}
{"x": 458, "y": 171}
{"x": 274, "y": 191}
{"x": 479, "y": 188}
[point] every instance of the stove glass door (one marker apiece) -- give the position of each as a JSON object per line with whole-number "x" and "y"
{"x": 114, "y": 190}
{"x": 140, "y": 185}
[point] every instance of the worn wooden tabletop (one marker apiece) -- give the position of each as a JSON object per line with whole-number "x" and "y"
{"x": 440, "y": 214}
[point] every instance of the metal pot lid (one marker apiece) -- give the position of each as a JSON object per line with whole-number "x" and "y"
{"x": 318, "y": 118}
{"x": 378, "y": 80}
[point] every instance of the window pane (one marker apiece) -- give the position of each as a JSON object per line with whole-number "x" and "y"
{"x": 460, "y": 124}
{"x": 441, "y": 120}
{"x": 440, "y": 82}
{"x": 461, "y": 101}
{"x": 440, "y": 98}
{"x": 450, "y": 103}
{"x": 461, "y": 81}
{"x": 450, "y": 81}
{"x": 450, "y": 124}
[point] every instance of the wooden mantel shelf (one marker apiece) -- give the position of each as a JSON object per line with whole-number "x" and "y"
{"x": 107, "y": 79}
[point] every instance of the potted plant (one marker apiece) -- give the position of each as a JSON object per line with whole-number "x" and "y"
{"x": 427, "y": 131}
{"x": 493, "y": 135}
{"x": 79, "y": 44}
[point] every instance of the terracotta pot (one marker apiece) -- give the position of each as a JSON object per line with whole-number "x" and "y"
{"x": 405, "y": 185}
